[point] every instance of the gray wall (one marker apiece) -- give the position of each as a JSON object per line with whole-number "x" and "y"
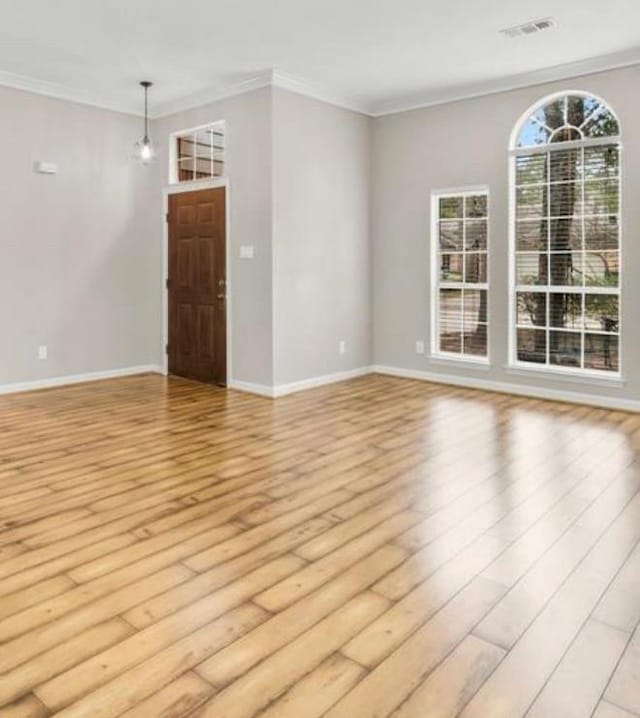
{"x": 78, "y": 250}
{"x": 248, "y": 159}
{"x": 335, "y": 204}
{"x": 322, "y": 272}
{"x": 465, "y": 143}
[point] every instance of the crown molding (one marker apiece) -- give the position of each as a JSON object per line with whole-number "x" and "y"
{"x": 270, "y": 78}
{"x": 276, "y": 78}
{"x": 566, "y": 71}
{"x": 62, "y": 92}
{"x": 317, "y": 92}
{"x": 212, "y": 94}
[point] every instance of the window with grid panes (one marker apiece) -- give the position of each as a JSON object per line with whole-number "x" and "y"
{"x": 459, "y": 254}
{"x": 199, "y": 153}
{"x": 566, "y": 263}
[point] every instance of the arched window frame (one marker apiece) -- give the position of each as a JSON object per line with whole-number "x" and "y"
{"x": 516, "y": 151}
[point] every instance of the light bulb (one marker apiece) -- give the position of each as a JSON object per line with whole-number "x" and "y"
{"x": 145, "y": 150}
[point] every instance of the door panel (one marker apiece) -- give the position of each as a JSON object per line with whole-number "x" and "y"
{"x": 197, "y": 285}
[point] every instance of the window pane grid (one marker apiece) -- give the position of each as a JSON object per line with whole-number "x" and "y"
{"x": 461, "y": 252}
{"x": 199, "y": 154}
{"x": 567, "y": 258}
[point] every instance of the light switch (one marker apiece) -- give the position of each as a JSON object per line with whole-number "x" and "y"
{"x": 246, "y": 252}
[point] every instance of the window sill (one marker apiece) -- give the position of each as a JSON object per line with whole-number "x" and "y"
{"x": 462, "y": 362}
{"x": 575, "y": 377}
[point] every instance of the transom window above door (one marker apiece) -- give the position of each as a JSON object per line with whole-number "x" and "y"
{"x": 198, "y": 153}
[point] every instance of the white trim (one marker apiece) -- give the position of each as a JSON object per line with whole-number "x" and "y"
{"x": 275, "y": 78}
{"x": 563, "y": 146}
{"x": 514, "y": 288}
{"x": 214, "y": 183}
{"x": 459, "y": 360}
{"x": 548, "y": 99}
{"x": 534, "y": 392}
{"x": 309, "y": 89}
{"x": 67, "y": 94}
{"x": 437, "y": 284}
{"x": 173, "y": 157}
{"x": 79, "y": 378}
{"x": 275, "y": 392}
{"x": 212, "y": 94}
{"x": 543, "y": 76}
{"x": 579, "y": 376}
{"x": 293, "y": 387}
{"x": 251, "y": 388}
{"x": 271, "y": 78}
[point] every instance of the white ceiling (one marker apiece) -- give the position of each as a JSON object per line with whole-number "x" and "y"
{"x": 374, "y": 55}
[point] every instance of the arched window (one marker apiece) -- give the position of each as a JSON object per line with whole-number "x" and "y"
{"x": 565, "y": 236}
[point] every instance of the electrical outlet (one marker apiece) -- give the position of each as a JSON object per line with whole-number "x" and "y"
{"x": 342, "y": 347}
{"x": 419, "y": 347}
{"x": 42, "y": 352}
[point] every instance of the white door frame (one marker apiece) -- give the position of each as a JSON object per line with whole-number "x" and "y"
{"x": 179, "y": 189}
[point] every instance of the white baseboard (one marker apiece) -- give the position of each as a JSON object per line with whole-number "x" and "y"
{"x": 284, "y": 389}
{"x": 78, "y": 378}
{"x": 251, "y": 388}
{"x": 274, "y": 392}
{"x": 526, "y": 390}
{"x": 536, "y": 392}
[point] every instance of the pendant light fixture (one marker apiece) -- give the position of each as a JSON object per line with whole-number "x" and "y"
{"x": 145, "y": 149}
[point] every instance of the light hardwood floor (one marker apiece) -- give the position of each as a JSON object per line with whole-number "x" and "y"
{"x": 380, "y": 547}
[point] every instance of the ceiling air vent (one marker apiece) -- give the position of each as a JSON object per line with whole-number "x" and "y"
{"x": 529, "y": 28}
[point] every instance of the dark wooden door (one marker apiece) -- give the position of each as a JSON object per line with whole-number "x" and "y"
{"x": 197, "y": 285}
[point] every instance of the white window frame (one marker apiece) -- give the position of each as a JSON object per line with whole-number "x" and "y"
{"x": 437, "y": 284}
{"x": 173, "y": 152}
{"x": 515, "y": 151}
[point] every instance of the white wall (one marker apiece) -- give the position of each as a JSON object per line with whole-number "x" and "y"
{"x": 248, "y": 161}
{"x": 465, "y": 143}
{"x": 78, "y": 250}
{"x": 322, "y": 271}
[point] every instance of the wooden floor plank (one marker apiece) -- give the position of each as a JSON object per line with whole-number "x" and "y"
{"x": 258, "y": 687}
{"x": 624, "y": 689}
{"x": 576, "y": 685}
{"x": 145, "y": 679}
{"x": 450, "y": 686}
{"x": 27, "y": 707}
{"x": 92, "y": 673}
{"x": 511, "y": 617}
{"x": 27, "y": 645}
{"x": 288, "y": 624}
{"x": 393, "y": 681}
{"x": 514, "y": 685}
{"x": 379, "y": 547}
{"x": 175, "y": 700}
{"x": 620, "y": 606}
{"x": 42, "y": 667}
{"x": 314, "y": 694}
{"x": 204, "y": 584}
{"x": 608, "y": 710}
{"x": 302, "y": 583}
